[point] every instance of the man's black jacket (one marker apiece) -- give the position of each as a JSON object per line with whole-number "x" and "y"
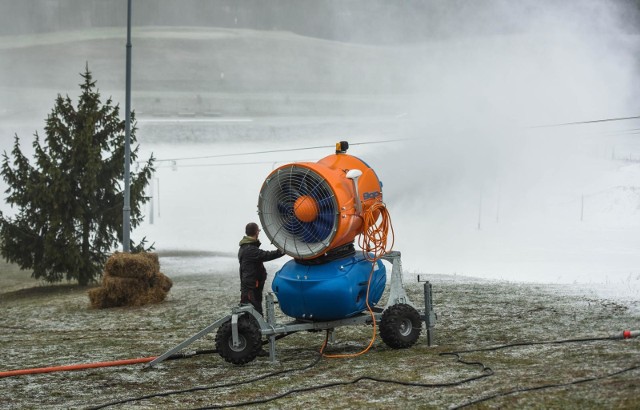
{"x": 251, "y": 259}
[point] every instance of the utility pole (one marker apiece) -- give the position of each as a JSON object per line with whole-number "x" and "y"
{"x": 152, "y": 196}
{"x": 126, "y": 209}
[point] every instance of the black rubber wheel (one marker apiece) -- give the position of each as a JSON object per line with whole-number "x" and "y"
{"x": 400, "y": 326}
{"x": 250, "y": 341}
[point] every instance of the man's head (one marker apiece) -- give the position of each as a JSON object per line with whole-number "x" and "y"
{"x": 252, "y": 229}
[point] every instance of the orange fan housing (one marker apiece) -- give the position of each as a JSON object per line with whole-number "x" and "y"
{"x": 308, "y": 208}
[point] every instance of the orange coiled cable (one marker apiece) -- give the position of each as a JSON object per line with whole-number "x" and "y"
{"x": 373, "y": 242}
{"x": 375, "y": 235}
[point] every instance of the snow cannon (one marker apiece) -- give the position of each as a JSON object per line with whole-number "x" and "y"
{"x": 313, "y": 211}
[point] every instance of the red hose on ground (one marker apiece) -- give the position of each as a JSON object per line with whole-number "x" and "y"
{"x": 75, "y": 367}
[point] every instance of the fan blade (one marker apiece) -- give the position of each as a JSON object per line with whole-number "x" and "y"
{"x": 325, "y": 205}
{"x": 305, "y": 186}
{"x": 284, "y": 208}
{"x": 309, "y": 234}
{"x": 323, "y": 226}
{"x": 291, "y": 223}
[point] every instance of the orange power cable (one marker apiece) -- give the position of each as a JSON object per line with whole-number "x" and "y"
{"x": 375, "y": 235}
{"x": 373, "y": 337}
{"x": 372, "y": 241}
{"x": 74, "y": 367}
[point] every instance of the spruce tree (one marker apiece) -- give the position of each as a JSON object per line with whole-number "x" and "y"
{"x": 69, "y": 201}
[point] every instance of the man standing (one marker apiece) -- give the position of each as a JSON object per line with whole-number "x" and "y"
{"x": 252, "y": 271}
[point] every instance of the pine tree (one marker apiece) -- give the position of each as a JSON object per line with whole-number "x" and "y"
{"x": 69, "y": 202}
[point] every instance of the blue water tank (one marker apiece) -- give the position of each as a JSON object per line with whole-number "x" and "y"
{"x": 329, "y": 291}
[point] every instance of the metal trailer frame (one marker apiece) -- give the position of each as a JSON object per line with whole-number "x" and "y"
{"x": 270, "y": 328}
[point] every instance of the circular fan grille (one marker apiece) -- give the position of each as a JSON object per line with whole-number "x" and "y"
{"x": 298, "y": 211}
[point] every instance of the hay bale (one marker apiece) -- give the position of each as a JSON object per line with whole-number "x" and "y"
{"x": 124, "y": 289}
{"x": 156, "y": 295}
{"x": 162, "y": 281}
{"x": 153, "y": 295}
{"x": 130, "y": 265}
{"x": 96, "y": 297}
{"x": 100, "y": 299}
{"x": 117, "y": 283}
{"x": 153, "y": 257}
{"x": 131, "y": 280}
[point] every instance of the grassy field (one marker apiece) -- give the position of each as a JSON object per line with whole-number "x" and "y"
{"x": 53, "y": 325}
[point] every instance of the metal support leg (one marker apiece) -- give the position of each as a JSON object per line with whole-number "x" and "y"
{"x": 271, "y": 320}
{"x": 429, "y": 314}
{"x": 190, "y": 340}
{"x": 397, "y": 294}
{"x": 234, "y": 330}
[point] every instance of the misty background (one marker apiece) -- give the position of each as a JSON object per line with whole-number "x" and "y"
{"x": 501, "y": 165}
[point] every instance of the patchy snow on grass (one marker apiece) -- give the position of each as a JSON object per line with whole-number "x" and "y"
{"x": 55, "y": 328}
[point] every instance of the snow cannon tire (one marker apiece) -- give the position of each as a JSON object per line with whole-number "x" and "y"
{"x": 400, "y": 326}
{"x": 250, "y": 341}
